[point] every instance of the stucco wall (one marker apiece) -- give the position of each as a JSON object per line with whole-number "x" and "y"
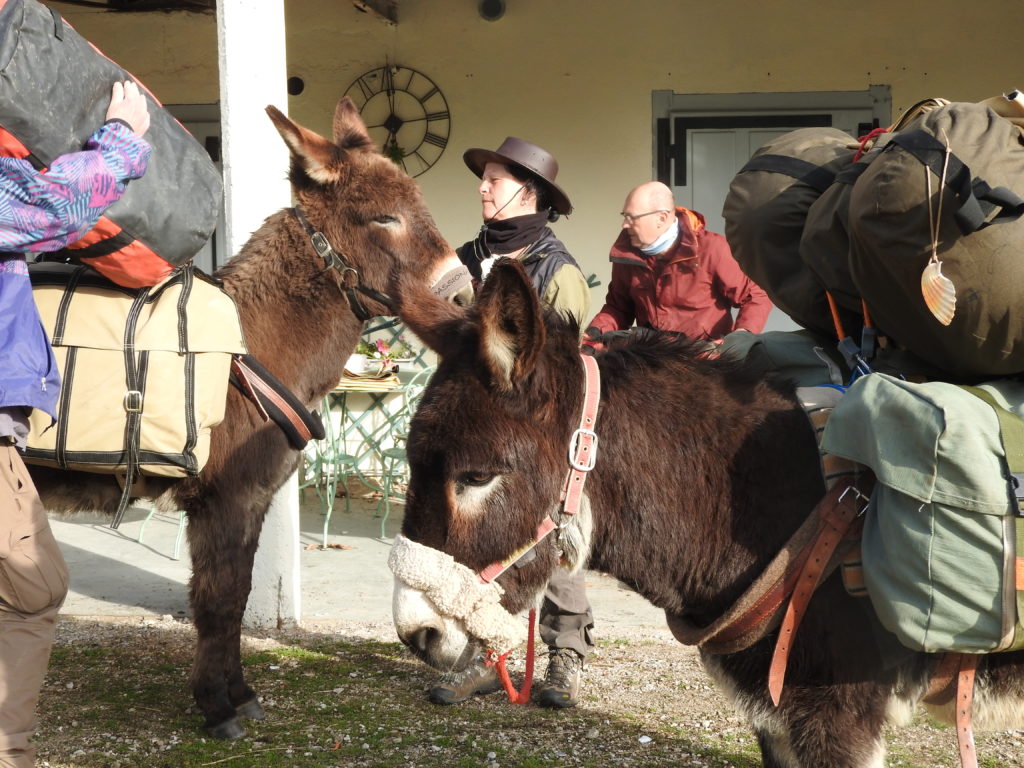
{"x": 576, "y": 76}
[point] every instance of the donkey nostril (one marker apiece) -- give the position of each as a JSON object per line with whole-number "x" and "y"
{"x": 422, "y": 639}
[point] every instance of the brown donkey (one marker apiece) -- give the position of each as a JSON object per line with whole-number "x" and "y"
{"x": 300, "y": 321}
{"x": 704, "y": 469}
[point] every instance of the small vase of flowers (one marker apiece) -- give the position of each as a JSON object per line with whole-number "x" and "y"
{"x": 379, "y": 357}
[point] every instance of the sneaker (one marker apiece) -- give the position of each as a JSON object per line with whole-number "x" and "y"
{"x": 475, "y": 680}
{"x": 561, "y": 686}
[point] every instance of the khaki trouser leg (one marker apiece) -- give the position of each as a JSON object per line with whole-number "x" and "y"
{"x": 566, "y": 620}
{"x": 33, "y": 584}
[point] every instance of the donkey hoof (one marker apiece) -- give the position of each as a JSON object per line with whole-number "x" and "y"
{"x": 251, "y": 709}
{"x": 229, "y": 729}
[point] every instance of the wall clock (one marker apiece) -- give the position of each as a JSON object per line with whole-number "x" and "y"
{"x": 406, "y": 114}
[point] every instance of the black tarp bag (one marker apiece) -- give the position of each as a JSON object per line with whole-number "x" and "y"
{"x": 54, "y": 92}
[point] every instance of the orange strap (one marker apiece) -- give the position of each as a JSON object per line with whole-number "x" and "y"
{"x": 836, "y": 322}
{"x": 964, "y": 699}
{"x": 835, "y": 521}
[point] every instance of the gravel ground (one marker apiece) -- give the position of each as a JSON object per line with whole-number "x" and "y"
{"x": 646, "y": 702}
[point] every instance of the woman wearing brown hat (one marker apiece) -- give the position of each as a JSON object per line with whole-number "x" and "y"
{"x": 519, "y": 198}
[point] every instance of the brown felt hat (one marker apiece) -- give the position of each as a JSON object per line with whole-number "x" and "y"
{"x": 527, "y": 156}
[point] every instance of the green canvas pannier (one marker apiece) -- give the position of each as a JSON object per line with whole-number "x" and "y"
{"x": 941, "y": 532}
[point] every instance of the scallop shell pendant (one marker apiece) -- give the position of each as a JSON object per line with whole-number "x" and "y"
{"x": 939, "y": 292}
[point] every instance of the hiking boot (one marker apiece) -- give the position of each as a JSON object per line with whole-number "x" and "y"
{"x": 561, "y": 686}
{"x": 475, "y": 680}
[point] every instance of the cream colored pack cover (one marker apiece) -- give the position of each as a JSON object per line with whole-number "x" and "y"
{"x": 144, "y": 372}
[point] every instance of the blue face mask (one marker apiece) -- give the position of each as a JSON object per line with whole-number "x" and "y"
{"x": 664, "y": 242}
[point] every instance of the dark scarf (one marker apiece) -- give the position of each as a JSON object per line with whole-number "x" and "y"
{"x": 508, "y": 235}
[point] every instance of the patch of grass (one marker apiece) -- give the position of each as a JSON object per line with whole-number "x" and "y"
{"x": 124, "y": 702}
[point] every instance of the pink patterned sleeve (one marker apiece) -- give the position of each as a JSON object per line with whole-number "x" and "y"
{"x": 47, "y": 210}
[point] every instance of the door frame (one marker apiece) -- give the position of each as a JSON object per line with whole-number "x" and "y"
{"x": 669, "y": 159}
{"x": 214, "y": 253}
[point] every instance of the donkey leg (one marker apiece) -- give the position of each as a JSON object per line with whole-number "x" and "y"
{"x": 837, "y": 726}
{"x": 222, "y": 559}
{"x": 244, "y": 698}
{"x": 775, "y": 751}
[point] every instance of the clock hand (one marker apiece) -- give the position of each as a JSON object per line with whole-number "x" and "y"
{"x": 389, "y": 88}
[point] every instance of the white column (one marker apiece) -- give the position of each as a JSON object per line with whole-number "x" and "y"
{"x": 253, "y": 74}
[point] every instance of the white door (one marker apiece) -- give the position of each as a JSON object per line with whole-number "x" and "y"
{"x": 715, "y": 148}
{"x": 702, "y": 140}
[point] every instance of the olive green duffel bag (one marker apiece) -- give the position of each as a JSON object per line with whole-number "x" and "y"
{"x": 764, "y": 215}
{"x": 972, "y": 198}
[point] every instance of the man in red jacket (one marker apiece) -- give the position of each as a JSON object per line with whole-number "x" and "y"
{"x": 669, "y": 273}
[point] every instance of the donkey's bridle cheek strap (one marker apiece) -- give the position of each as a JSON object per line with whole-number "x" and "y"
{"x": 582, "y": 455}
{"x": 347, "y": 274}
{"x": 583, "y": 443}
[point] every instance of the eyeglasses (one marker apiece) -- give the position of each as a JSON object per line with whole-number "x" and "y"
{"x": 630, "y": 218}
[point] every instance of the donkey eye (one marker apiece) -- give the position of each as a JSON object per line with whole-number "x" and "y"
{"x": 476, "y": 479}
{"x": 386, "y": 220}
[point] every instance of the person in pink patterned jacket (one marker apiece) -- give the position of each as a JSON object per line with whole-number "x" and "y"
{"x": 42, "y": 210}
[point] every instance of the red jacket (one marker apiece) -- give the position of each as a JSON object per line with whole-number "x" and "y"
{"x": 690, "y": 289}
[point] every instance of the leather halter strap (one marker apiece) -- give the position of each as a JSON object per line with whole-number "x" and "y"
{"x": 582, "y": 456}
{"x": 760, "y": 608}
{"x": 334, "y": 260}
{"x": 275, "y": 402}
{"x": 837, "y": 513}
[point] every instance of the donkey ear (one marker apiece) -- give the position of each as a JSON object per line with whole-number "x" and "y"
{"x": 511, "y": 324}
{"x": 435, "y": 321}
{"x": 349, "y": 129}
{"x": 317, "y": 156}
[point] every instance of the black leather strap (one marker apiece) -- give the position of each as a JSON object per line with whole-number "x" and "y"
{"x": 978, "y": 200}
{"x": 803, "y": 171}
{"x": 276, "y": 401}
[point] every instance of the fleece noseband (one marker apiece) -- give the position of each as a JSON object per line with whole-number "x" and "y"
{"x": 474, "y": 598}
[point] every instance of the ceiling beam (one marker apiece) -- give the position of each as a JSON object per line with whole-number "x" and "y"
{"x": 198, "y": 6}
{"x": 386, "y": 10}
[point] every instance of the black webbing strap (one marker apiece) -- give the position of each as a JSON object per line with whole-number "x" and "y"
{"x": 803, "y": 171}
{"x": 134, "y": 379}
{"x": 978, "y": 200}
{"x": 58, "y": 24}
{"x": 851, "y": 173}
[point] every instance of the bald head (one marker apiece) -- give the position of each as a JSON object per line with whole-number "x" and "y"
{"x": 650, "y": 196}
{"x": 648, "y": 212}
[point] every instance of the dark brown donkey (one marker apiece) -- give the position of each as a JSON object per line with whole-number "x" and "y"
{"x": 300, "y": 324}
{"x": 703, "y": 471}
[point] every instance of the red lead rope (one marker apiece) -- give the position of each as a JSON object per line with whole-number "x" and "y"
{"x": 521, "y": 696}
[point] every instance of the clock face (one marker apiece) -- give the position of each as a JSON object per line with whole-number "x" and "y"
{"x": 406, "y": 114}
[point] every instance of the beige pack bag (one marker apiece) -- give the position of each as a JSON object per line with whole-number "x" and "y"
{"x": 144, "y": 372}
